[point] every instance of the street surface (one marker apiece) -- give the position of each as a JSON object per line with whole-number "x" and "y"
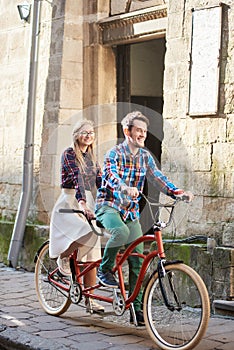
{"x": 24, "y": 325}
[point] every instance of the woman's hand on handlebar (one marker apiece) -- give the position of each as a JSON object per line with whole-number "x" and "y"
{"x": 88, "y": 212}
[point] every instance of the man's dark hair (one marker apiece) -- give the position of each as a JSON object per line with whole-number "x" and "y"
{"x": 128, "y": 120}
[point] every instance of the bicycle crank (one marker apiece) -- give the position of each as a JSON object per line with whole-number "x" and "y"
{"x": 118, "y": 303}
{"x": 75, "y": 293}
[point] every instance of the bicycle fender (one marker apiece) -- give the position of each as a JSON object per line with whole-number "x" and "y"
{"x": 38, "y": 252}
{"x": 172, "y": 262}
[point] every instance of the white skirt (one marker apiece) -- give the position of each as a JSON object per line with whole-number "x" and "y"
{"x": 66, "y": 228}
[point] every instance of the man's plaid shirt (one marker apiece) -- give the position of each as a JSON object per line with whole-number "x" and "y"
{"x": 122, "y": 168}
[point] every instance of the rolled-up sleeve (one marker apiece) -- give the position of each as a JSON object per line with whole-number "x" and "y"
{"x": 159, "y": 180}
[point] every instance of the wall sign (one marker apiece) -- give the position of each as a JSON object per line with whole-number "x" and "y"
{"x": 205, "y": 61}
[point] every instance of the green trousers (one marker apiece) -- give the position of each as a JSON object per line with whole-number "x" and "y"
{"x": 122, "y": 234}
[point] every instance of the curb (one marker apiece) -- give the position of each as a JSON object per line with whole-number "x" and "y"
{"x": 12, "y": 339}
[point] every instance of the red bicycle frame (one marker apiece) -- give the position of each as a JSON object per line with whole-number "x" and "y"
{"x": 81, "y": 268}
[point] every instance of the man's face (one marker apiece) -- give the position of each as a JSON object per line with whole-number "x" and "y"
{"x": 138, "y": 133}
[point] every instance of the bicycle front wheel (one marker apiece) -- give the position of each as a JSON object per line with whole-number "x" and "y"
{"x": 52, "y": 299}
{"x": 181, "y": 323}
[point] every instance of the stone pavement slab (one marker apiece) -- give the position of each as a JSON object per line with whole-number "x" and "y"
{"x": 24, "y": 325}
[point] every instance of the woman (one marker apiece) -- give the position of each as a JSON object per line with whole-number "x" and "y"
{"x": 80, "y": 176}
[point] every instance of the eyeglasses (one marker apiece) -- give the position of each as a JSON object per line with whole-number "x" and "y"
{"x": 87, "y": 133}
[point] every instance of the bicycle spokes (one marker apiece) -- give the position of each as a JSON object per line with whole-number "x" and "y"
{"x": 176, "y": 307}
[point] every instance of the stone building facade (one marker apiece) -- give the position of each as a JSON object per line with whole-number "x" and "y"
{"x": 97, "y": 59}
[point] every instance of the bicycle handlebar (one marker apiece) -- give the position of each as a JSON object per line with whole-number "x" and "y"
{"x": 157, "y": 224}
{"x": 77, "y": 211}
{"x": 72, "y": 211}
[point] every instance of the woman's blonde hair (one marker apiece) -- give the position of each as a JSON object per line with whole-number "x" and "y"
{"x": 75, "y": 136}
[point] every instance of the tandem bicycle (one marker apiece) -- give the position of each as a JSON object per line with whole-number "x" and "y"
{"x": 176, "y": 306}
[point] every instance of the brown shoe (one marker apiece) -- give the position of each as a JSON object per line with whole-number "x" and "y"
{"x": 93, "y": 307}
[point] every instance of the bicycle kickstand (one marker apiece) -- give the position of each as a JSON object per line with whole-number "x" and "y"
{"x": 132, "y": 310}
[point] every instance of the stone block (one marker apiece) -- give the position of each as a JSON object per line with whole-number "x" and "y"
{"x": 222, "y": 270}
{"x": 202, "y": 131}
{"x": 33, "y": 238}
{"x": 117, "y": 7}
{"x": 176, "y": 25}
{"x": 221, "y": 162}
{"x": 218, "y": 209}
{"x": 178, "y": 51}
{"x": 228, "y": 234}
{"x": 175, "y": 7}
{"x": 71, "y": 93}
{"x": 175, "y": 104}
{"x": 72, "y": 50}
{"x": 73, "y": 9}
{"x": 47, "y": 169}
{"x": 72, "y": 70}
{"x": 137, "y": 5}
{"x": 73, "y": 28}
{"x": 200, "y": 158}
{"x": 169, "y": 81}
{"x": 69, "y": 116}
{"x": 230, "y": 128}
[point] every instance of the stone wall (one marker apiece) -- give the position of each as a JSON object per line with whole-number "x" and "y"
{"x": 77, "y": 78}
{"x": 14, "y": 68}
{"x": 200, "y": 150}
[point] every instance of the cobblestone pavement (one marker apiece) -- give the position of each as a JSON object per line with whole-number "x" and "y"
{"x": 24, "y": 325}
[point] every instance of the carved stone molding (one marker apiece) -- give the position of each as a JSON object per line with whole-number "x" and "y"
{"x": 133, "y": 26}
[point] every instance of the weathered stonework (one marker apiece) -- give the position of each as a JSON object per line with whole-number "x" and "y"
{"x": 77, "y": 78}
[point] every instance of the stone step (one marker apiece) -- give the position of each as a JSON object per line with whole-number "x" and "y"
{"x": 224, "y": 307}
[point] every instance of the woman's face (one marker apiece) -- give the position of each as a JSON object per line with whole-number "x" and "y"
{"x": 86, "y": 136}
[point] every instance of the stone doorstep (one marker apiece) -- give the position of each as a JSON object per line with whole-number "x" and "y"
{"x": 224, "y": 307}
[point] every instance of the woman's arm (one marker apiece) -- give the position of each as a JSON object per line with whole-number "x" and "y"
{"x": 71, "y": 174}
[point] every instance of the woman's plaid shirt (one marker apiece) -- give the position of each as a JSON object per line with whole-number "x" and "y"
{"x": 72, "y": 175}
{"x": 122, "y": 168}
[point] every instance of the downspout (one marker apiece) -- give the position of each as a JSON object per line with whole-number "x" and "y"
{"x": 27, "y": 182}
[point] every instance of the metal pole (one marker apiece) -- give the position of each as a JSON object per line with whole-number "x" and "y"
{"x": 27, "y": 182}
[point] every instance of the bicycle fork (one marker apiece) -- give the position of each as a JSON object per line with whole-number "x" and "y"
{"x": 169, "y": 275}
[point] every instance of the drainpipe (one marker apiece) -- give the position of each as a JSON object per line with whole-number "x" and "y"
{"x": 27, "y": 182}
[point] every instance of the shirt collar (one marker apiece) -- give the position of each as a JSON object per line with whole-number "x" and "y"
{"x": 127, "y": 149}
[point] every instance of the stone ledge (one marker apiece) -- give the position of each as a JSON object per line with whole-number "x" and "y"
{"x": 224, "y": 307}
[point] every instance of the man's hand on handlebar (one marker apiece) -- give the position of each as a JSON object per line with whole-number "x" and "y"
{"x": 130, "y": 191}
{"x": 185, "y": 196}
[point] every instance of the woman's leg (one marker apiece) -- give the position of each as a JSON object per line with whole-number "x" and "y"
{"x": 69, "y": 250}
{"x": 84, "y": 244}
{"x": 90, "y": 279}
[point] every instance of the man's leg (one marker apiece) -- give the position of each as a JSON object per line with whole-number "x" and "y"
{"x": 111, "y": 220}
{"x": 135, "y": 262}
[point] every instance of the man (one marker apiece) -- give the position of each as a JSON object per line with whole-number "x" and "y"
{"x": 126, "y": 167}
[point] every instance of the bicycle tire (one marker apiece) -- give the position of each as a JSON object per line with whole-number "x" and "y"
{"x": 179, "y": 329}
{"x": 50, "y": 297}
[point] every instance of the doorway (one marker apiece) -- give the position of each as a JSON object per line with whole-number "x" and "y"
{"x": 140, "y": 68}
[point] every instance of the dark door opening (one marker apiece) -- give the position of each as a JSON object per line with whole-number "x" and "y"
{"x": 140, "y": 70}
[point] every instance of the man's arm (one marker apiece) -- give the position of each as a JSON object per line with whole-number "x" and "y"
{"x": 159, "y": 180}
{"x": 111, "y": 171}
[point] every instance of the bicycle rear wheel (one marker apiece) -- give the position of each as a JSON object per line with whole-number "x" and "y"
{"x": 50, "y": 296}
{"x": 182, "y": 325}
